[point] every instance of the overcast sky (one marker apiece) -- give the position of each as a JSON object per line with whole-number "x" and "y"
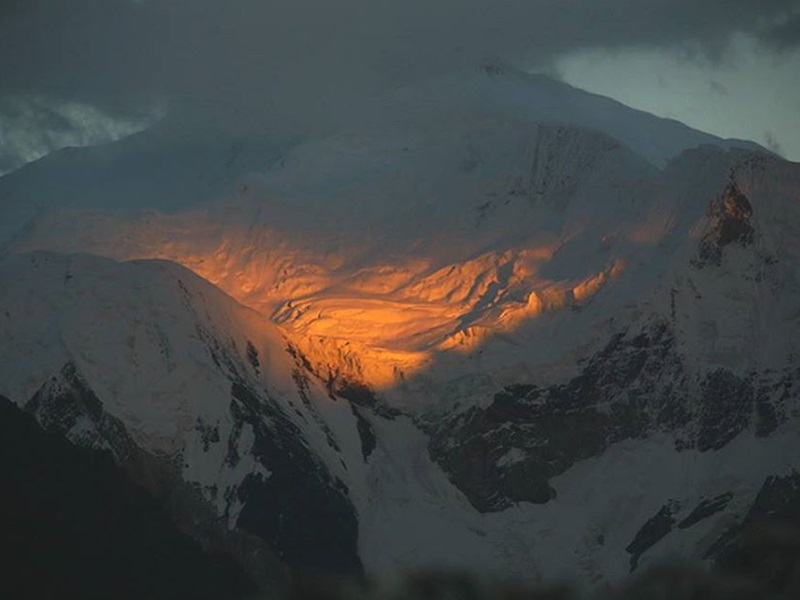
{"x": 81, "y": 71}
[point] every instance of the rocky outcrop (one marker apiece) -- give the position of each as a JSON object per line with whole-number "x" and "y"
{"x": 67, "y": 406}
{"x": 776, "y": 505}
{"x": 298, "y": 506}
{"x": 635, "y": 387}
{"x": 76, "y": 527}
{"x": 705, "y": 509}
{"x": 728, "y": 223}
{"x": 298, "y": 515}
{"x": 651, "y": 532}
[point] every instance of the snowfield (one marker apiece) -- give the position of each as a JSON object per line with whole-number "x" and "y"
{"x": 518, "y": 328}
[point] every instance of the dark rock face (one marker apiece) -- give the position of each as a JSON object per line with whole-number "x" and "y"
{"x": 705, "y": 509}
{"x": 725, "y": 410}
{"x": 778, "y": 501}
{"x": 65, "y": 405}
{"x": 651, "y": 532}
{"x": 252, "y": 357}
{"x": 76, "y": 527}
{"x": 729, "y": 223}
{"x": 508, "y": 451}
{"x": 59, "y": 411}
{"x": 209, "y": 434}
{"x": 365, "y": 432}
{"x": 772, "y": 400}
{"x": 360, "y": 394}
{"x": 299, "y": 507}
{"x": 634, "y": 387}
{"x": 300, "y": 511}
{"x": 766, "y": 544}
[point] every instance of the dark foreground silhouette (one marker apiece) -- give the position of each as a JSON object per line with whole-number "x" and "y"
{"x": 762, "y": 562}
{"x": 73, "y": 526}
{"x": 763, "y": 565}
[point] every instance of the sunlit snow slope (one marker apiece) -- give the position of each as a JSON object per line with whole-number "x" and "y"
{"x": 467, "y": 216}
{"x": 498, "y": 322}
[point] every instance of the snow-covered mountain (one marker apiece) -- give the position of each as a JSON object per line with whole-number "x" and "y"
{"x": 516, "y": 326}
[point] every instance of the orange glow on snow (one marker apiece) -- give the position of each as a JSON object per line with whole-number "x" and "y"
{"x": 385, "y": 323}
{"x": 377, "y": 323}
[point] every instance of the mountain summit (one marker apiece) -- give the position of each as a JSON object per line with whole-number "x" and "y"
{"x": 496, "y": 323}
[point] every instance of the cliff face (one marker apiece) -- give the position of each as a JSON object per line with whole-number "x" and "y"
{"x": 180, "y": 402}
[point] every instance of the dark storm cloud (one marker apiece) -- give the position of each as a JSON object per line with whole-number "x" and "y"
{"x": 225, "y": 62}
{"x": 785, "y": 34}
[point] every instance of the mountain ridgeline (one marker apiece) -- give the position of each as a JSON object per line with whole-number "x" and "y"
{"x": 530, "y": 332}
